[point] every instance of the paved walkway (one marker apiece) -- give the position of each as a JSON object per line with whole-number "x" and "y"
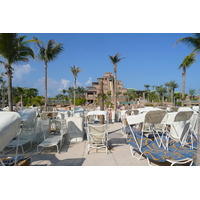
{"x": 75, "y": 154}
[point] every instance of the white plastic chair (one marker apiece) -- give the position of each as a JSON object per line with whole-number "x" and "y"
{"x": 97, "y": 136}
{"x": 26, "y": 136}
{"x": 52, "y": 140}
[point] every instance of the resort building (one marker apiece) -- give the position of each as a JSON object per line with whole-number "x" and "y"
{"x": 108, "y": 87}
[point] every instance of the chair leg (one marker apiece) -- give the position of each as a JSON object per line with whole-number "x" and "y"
{"x": 38, "y": 150}
{"x": 2, "y": 162}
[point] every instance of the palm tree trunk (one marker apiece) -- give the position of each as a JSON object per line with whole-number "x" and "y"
{"x": 101, "y": 101}
{"x": 74, "y": 92}
{"x": 22, "y": 101}
{"x": 10, "y": 101}
{"x": 172, "y": 95}
{"x": 163, "y": 98}
{"x": 45, "y": 86}
{"x": 183, "y": 86}
{"x": 115, "y": 89}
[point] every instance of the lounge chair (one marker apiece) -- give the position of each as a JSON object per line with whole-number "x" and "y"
{"x": 25, "y": 137}
{"x": 9, "y": 127}
{"x": 97, "y": 136}
{"x": 52, "y": 140}
{"x": 150, "y": 121}
{"x": 150, "y": 150}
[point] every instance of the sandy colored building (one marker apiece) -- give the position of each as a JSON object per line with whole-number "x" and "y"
{"x": 108, "y": 85}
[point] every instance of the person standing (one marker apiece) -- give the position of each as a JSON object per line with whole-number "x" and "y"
{"x": 122, "y": 107}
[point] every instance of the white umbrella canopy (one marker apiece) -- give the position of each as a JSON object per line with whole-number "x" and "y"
{"x": 97, "y": 112}
{"x": 27, "y": 115}
{"x": 9, "y": 127}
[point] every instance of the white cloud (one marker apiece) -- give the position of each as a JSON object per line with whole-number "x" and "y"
{"x": 21, "y": 70}
{"x": 53, "y": 86}
{"x": 78, "y": 84}
{"x": 89, "y": 82}
{"x": 64, "y": 83}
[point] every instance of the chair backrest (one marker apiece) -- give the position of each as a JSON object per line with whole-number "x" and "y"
{"x": 185, "y": 132}
{"x": 44, "y": 116}
{"x": 30, "y": 130}
{"x": 97, "y": 133}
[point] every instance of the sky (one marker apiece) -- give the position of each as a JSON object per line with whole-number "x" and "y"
{"x": 150, "y": 58}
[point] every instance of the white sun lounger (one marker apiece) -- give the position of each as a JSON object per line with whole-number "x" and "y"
{"x": 27, "y": 134}
{"x": 9, "y": 127}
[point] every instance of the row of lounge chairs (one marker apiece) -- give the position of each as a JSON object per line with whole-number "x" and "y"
{"x": 27, "y": 124}
{"x": 148, "y": 148}
{"x": 161, "y": 136}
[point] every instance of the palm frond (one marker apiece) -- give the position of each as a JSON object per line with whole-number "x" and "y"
{"x": 188, "y": 60}
{"x": 75, "y": 70}
{"x": 115, "y": 59}
{"x": 51, "y": 51}
{"x": 193, "y": 42}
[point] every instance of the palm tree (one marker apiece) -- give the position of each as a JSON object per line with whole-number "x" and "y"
{"x": 38, "y": 101}
{"x": 172, "y": 86}
{"x": 115, "y": 60}
{"x": 187, "y": 62}
{"x": 14, "y": 49}
{"x": 21, "y": 92}
{"x": 147, "y": 90}
{"x": 63, "y": 96}
{"x": 81, "y": 91}
{"x": 70, "y": 92}
{"x": 31, "y": 93}
{"x": 194, "y": 42}
{"x": 153, "y": 87}
{"x": 146, "y": 87}
{"x": 63, "y": 91}
{"x": 48, "y": 53}
{"x": 192, "y": 92}
{"x": 161, "y": 91}
{"x": 75, "y": 70}
{"x": 130, "y": 94}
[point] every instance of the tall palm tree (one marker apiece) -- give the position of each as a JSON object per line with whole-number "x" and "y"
{"x": 194, "y": 42}
{"x": 115, "y": 60}
{"x": 14, "y": 49}
{"x": 187, "y": 62}
{"x": 75, "y": 70}
{"x": 48, "y": 53}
